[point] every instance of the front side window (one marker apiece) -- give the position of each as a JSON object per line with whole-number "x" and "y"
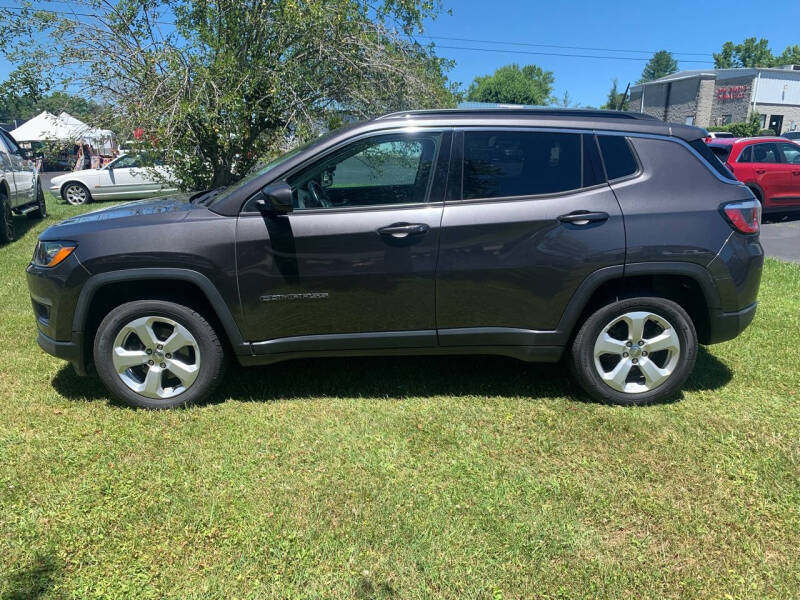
{"x": 791, "y": 153}
{"x": 12, "y": 146}
{"x": 500, "y": 164}
{"x": 381, "y": 170}
{"x": 765, "y": 153}
{"x": 126, "y": 162}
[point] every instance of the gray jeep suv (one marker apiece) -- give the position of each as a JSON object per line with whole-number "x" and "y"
{"x": 613, "y": 238}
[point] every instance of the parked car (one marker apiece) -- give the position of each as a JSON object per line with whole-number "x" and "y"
{"x": 791, "y": 135}
{"x": 130, "y": 176}
{"x": 769, "y": 166}
{"x": 20, "y": 188}
{"x": 716, "y": 135}
{"x": 532, "y": 234}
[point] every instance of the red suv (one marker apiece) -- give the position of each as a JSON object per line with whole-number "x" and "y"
{"x": 770, "y": 166}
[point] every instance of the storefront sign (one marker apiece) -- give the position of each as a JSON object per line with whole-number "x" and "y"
{"x": 732, "y": 92}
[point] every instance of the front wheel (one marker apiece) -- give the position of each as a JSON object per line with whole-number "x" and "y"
{"x": 76, "y": 194}
{"x": 155, "y": 354}
{"x": 635, "y": 351}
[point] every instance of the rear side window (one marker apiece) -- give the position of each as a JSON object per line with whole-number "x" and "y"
{"x": 617, "y": 156}
{"x": 499, "y": 164}
{"x": 765, "y": 153}
{"x": 746, "y": 155}
{"x": 703, "y": 150}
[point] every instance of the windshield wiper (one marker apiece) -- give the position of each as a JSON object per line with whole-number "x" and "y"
{"x": 205, "y": 197}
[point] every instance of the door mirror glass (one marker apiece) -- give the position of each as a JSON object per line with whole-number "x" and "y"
{"x": 276, "y": 198}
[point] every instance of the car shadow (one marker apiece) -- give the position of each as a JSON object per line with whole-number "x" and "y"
{"x": 781, "y": 217}
{"x": 22, "y": 225}
{"x": 397, "y": 377}
{"x": 31, "y": 581}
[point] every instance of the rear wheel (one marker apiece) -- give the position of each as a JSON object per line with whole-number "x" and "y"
{"x": 636, "y": 351}
{"x": 6, "y": 220}
{"x": 41, "y": 205}
{"x": 76, "y": 194}
{"x": 154, "y": 354}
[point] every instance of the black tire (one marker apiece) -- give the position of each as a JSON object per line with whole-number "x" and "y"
{"x": 582, "y": 360}
{"x": 80, "y": 197}
{"x": 41, "y": 204}
{"x": 6, "y": 221}
{"x": 211, "y": 367}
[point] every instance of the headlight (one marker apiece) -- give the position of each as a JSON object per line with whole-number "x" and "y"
{"x": 49, "y": 254}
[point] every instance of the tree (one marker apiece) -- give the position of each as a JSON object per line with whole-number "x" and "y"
{"x": 564, "y": 101}
{"x": 219, "y": 85}
{"x": 616, "y": 100}
{"x": 513, "y": 85}
{"x": 749, "y": 53}
{"x": 660, "y": 65}
{"x": 790, "y": 56}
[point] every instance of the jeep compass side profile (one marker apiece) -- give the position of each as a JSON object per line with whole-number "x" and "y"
{"x": 611, "y": 238}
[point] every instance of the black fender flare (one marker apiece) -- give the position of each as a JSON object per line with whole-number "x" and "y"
{"x": 593, "y": 281}
{"x": 223, "y": 313}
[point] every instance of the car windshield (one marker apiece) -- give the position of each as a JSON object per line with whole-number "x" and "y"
{"x": 268, "y": 167}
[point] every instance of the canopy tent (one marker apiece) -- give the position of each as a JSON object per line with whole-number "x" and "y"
{"x": 64, "y": 127}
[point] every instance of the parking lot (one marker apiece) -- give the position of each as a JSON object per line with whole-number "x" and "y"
{"x": 780, "y": 237}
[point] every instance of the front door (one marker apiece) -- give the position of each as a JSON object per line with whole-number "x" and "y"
{"x": 776, "y": 123}
{"x": 354, "y": 264}
{"x": 534, "y": 219}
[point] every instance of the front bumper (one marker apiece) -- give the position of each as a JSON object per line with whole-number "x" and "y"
{"x": 724, "y": 326}
{"x": 71, "y": 351}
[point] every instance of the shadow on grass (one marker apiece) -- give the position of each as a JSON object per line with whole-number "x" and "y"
{"x": 22, "y": 225}
{"x": 31, "y": 581}
{"x": 397, "y": 377}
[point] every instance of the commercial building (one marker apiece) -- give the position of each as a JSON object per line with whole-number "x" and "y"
{"x": 721, "y": 96}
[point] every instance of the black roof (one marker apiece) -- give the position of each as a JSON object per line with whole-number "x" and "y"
{"x": 608, "y": 120}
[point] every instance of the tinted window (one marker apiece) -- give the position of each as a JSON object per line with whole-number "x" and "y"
{"x": 711, "y": 158}
{"x": 387, "y": 169}
{"x": 791, "y": 153}
{"x": 11, "y": 145}
{"x": 617, "y": 156}
{"x": 500, "y": 164}
{"x": 765, "y": 153}
{"x": 746, "y": 155}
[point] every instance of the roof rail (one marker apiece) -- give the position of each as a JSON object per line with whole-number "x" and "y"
{"x": 544, "y": 112}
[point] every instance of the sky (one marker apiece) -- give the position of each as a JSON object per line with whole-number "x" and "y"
{"x": 679, "y": 26}
{"x": 692, "y": 30}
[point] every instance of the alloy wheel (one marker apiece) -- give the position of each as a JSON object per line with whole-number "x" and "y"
{"x": 156, "y": 357}
{"x": 636, "y": 352}
{"x": 76, "y": 194}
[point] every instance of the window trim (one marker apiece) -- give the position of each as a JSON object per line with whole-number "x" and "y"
{"x": 747, "y": 148}
{"x": 247, "y": 210}
{"x": 778, "y": 154}
{"x": 460, "y": 136}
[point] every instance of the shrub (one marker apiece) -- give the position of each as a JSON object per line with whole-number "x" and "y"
{"x": 766, "y": 132}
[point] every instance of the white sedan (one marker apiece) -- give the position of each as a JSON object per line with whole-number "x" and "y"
{"x": 127, "y": 177}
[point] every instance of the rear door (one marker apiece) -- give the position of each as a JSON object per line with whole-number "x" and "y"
{"x": 529, "y": 220}
{"x": 768, "y": 171}
{"x": 354, "y": 265}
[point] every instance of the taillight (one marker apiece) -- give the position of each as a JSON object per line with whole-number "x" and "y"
{"x": 744, "y": 216}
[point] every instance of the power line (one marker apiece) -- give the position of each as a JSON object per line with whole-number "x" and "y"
{"x": 455, "y": 39}
{"x": 500, "y": 51}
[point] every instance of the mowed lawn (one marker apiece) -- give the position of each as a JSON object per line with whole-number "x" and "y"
{"x": 465, "y": 477}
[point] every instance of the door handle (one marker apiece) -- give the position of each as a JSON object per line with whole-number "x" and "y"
{"x": 761, "y": 171}
{"x": 583, "y": 217}
{"x": 403, "y": 230}
{"x": 795, "y": 172}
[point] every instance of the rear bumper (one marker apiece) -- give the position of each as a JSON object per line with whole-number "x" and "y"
{"x": 71, "y": 351}
{"x": 725, "y": 326}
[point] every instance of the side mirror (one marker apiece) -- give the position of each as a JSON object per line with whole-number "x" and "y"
{"x": 276, "y": 198}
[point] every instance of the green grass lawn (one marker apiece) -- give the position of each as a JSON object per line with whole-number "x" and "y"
{"x": 463, "y": 477}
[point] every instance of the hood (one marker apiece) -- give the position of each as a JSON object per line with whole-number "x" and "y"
{"x": 167, "y": 209}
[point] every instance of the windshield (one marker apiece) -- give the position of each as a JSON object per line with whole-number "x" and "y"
{"x": 268, "y": 167}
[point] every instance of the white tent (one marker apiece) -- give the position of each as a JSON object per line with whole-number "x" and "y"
{"x": 65, "y": 128}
